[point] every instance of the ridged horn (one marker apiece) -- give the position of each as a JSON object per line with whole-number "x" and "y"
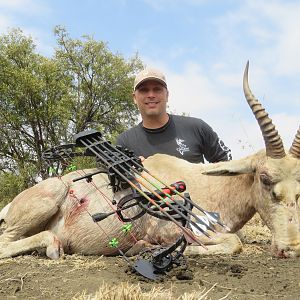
{"x": 273, "y": 142}
{"x": 295, "y": 149}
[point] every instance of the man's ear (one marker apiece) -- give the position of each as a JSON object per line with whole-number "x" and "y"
{"x": 133, "y": 97}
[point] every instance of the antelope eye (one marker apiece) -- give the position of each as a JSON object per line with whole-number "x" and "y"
{"x": 266, "y": 180}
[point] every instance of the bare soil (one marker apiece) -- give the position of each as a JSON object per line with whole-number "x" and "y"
{"x": 253, "y": 274}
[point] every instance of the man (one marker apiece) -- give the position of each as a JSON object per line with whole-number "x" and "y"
{"x": 159, "y": 132}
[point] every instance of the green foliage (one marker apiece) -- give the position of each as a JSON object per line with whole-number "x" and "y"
{"x": 10, "y": 186}
{"x": 101, "y": 84}
{"x": 45, "y": 101}
{"x": 34, "y": 104}
{"x": 82, "y": 163}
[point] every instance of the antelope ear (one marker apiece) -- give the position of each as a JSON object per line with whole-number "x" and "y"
{"x": 229, "y": 168}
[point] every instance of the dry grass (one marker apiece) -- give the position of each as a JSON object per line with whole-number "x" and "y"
{"x": 126, "y": 291}
{"x": 76, "y": 262}
{"x": 255, "y": 231}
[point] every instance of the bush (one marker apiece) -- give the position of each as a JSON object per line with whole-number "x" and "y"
{"x": 10, "y": 186}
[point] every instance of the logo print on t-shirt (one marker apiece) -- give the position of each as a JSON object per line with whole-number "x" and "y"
{"x": 182, "y": 147}
{"x": 225, "y": 149}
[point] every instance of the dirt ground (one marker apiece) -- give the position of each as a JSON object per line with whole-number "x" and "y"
{"x": 253, "y": 274}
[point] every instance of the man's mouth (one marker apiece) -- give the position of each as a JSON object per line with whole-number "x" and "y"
{"x": 152, "y": 103}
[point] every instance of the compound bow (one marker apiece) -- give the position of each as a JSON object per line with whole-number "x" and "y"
{"x": 125, "y": 170}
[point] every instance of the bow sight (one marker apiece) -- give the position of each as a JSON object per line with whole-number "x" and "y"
{"x": 125, "y": 170}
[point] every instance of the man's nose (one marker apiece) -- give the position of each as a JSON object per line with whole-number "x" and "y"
{"x": 151, "y": 94}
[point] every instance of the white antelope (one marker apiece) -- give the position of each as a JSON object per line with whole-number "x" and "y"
{"x": 55, "y": 214}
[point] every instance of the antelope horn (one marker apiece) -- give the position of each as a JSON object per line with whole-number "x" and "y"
{"x": 273, "y": 142}
{"x": 295, "y": 149}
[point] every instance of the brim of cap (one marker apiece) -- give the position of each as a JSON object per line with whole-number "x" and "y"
{"x": 150, "y": 78}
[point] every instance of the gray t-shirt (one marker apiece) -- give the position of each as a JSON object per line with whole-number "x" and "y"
{"x": 184, "y": 137}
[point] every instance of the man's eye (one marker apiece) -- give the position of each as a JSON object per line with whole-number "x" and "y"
{"x": 157, "y": 89}
{"x": 143, "y": 90}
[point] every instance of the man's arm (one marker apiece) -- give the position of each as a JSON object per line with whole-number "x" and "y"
{"x": 214, "y": 148}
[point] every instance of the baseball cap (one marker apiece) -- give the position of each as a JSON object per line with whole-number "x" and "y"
{"x": 149, "y": 74}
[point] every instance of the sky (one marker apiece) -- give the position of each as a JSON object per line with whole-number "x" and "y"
{"x": 202, "y": 46}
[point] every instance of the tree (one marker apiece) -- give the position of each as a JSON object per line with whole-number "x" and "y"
{"x": 101, "y": 84}
{"x": 34, "y": 105}
{"x": 44, "y": 101}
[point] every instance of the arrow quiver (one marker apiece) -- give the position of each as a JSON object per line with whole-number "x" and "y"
{"x": 125, "y": 170}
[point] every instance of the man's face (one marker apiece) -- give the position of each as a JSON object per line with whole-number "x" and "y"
{"x": 151, "y": 98}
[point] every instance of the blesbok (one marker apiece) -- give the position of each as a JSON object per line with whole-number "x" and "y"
{"x": 55, "y": 214}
